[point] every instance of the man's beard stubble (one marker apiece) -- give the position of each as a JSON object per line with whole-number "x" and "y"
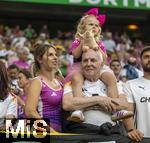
{"x": 146, "y": 68}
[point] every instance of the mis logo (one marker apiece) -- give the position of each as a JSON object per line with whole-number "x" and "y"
{"x": 26, "y": 128}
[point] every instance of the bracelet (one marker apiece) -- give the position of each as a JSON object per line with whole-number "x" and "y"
{"x": 130, "y": 130}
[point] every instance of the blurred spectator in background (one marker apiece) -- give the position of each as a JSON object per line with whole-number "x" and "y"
{"x": 122, "y": 47}
{"x": 41, "y": 38}
{"x": 109, "y": 43}
{"x": 13, "y": 72}
{"x": 45, "y": 31}
{"x": 116, "y": 37}
{"x": 23, "y": 82}
{"x": 138, "y": 46}
{"x": 60, "y": 34}
{"x": 22, "y": 62}
{"x": 8, "y": 31}
{"x": 19, "y": 40}
{"x": 130, "y": 71}
{"x": 29, "y": 32}
{"x": 116, "y": 67}
{"x": 67, "y": 43}
{"x": 63, "y": 63}
{"x": 16, "y": 31}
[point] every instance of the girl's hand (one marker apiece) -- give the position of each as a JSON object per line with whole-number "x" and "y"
{"x": 88, "y": 35}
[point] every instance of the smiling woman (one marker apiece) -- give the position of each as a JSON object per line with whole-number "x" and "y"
{"x": 45, "y": 90}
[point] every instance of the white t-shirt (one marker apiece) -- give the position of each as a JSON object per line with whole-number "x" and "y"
{"x": 8, "y": 107}
{"x": 96, "y": 117}
{"x": 138, "y": 92}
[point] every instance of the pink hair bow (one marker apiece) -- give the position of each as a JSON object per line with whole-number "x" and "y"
{"x": 101, "y": 18}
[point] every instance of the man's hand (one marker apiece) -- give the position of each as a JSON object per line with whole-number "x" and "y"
{"x": 106, "y": 104}
{"x": 135, "y": 135}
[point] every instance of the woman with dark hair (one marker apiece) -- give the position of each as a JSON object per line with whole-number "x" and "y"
{"x": 45, "y": 92}
{"x": 8, "y": 103}
{"x": 24, "y": 77}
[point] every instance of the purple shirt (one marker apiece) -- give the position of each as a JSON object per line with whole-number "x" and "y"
{"x": 49, "y": 105}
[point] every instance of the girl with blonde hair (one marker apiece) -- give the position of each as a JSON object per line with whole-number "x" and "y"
{"x": 88, "y": 35}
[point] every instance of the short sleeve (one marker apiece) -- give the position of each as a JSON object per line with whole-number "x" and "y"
{"x": 127, "y": 90}
{"x": 106, "y": 68}
{"x": 74, "y": 45}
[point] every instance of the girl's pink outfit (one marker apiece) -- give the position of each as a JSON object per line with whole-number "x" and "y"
{"x": 76, "y": 67}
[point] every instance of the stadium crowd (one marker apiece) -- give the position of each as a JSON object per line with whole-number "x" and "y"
{"x": 34, "y": 68}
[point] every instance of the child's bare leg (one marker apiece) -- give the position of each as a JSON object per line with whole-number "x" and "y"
{"x": 111, "y": 82}
{"x": 77, "y": 83}
{"x": 112, "y": 91}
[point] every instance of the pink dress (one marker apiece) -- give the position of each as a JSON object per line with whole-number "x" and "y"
{"x": 76, "y": 67}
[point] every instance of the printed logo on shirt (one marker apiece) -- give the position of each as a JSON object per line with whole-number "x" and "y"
{"x": 53, "y": 94}
{"x": 83, "y": 89}
{"x": 142, "y": 87}
{"x": 145, "y": 99}
{"x": 103, "y": 89}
